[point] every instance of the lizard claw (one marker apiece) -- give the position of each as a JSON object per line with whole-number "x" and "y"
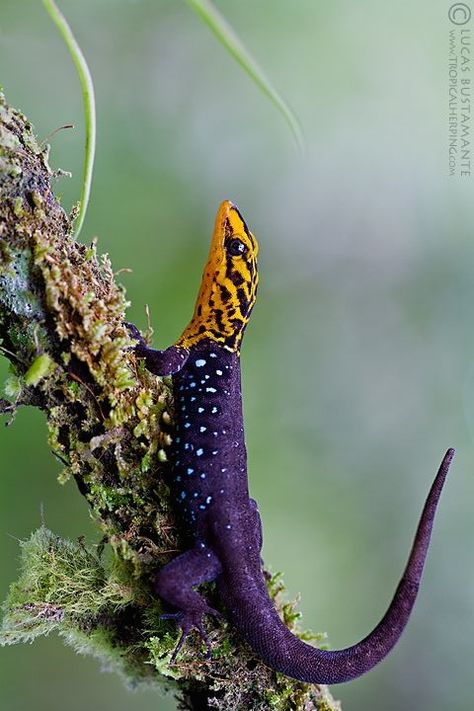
{"x": 134, "y": 333}
{"x": 189, "y": 621}
{"x": 139, "y": 348}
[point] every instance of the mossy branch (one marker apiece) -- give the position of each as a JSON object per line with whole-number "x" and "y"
{"x": 110, "y": 423}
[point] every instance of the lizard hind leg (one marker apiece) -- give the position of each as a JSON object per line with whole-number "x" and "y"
{"x": 174, "y": 583}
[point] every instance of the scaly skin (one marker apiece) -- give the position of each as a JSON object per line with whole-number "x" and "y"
{"x": 210, "y": 480}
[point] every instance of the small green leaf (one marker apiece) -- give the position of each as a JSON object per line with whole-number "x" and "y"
{"x": 38, "y": 369}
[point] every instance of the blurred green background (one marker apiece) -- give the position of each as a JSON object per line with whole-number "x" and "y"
{"x": 358, "y": 364}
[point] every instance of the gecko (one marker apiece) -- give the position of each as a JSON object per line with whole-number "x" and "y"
{"x": 210, "y": 486}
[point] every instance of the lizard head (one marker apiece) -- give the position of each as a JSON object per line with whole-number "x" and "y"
{"x": 229, "y": 283}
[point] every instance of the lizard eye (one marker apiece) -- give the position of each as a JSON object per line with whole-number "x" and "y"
{"x": 236, "y": 248}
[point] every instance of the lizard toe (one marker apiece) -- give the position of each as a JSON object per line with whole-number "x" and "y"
{"x": 189, "y": 621}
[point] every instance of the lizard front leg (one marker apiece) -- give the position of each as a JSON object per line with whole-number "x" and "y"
{"x": 166, "y": 362}
{"x": 174, "y": 583}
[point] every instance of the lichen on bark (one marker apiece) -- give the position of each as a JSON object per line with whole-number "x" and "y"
{"x": 62, "y": 317}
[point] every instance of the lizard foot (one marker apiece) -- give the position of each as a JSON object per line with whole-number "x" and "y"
{"x": 134, "y": 333}
{"x": 189, "y": 621}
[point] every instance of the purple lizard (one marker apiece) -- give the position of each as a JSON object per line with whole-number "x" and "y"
{"x": 210, "y": 480}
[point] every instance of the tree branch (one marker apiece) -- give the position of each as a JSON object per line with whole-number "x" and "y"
{"x": 110, "y": 423}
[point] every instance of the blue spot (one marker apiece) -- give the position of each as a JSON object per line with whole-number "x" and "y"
{"x": 202, "y": 507}
{"x": 214, "y": 451}
{"x": 221, "y": 491}
{"x": 202, "y": 429}
{"x": 200, "y": 409}
{"x": 178, "y": 478}
{"x": 224, "y": 469}
{"x": 183, "y": 494}
{"x": 228, "y": 526}
{"x": 195, "y": 494}
{"x": 186, "y": 446}
{"x": 211, "y": 390}
{"x": 200, "y": 362}
{"x": 203, "y": 475}
{"x": 202, "y": 382}
{"x": 214, "y": 410}
{"x": 199, "y": 452}
{"x": 187, "y": 424}
{"x": 192, "y": 385}
{"x": 219, "y": 372}
{"x": 190, "y": 471}
{"x": 209, "y": 499}
{"x": 193, "y": 398}
{"x": 212, "y": 355}
{"x": 177, "y": 440}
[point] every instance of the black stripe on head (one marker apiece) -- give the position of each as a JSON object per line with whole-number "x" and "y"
{"x": 225, "y": 293}
{"x": 236, "y": 278}
{"x": 229, "y": 266}
{"x": 218, "y": 313}
{"x": 228, "y": 231}
{"x": 246, "y": 229}
{"x": 243, "y": 300}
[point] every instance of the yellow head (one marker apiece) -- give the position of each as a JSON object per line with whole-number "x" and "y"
{"x": 229, "y": 283}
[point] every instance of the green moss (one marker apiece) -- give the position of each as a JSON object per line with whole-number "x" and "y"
{"x": 61, "y": 583}
{"x": 13, "y": 387}
{"x": 18, "y": 208}
{"x": 161, "y": 648}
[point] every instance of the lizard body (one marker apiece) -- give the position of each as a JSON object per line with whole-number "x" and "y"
{"x": 209, "y": 480}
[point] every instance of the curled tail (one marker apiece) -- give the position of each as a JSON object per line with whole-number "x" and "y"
{"x": 281, "y": 650}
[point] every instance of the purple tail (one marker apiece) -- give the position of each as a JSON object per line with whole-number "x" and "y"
{"x": 282, "y": 651}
